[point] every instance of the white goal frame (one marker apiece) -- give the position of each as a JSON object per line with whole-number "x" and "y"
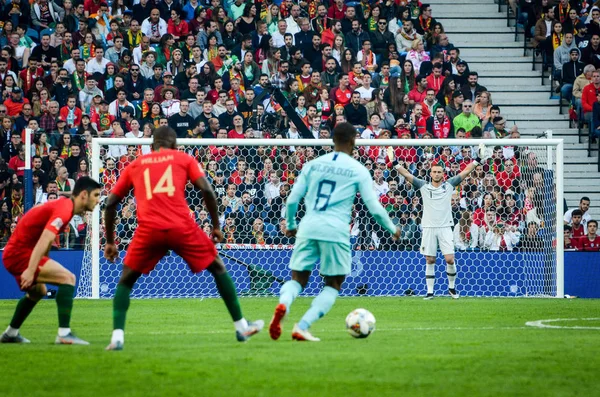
{"x": 555, "y": 149}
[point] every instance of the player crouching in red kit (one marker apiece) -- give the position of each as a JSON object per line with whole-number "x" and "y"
{"x": 26, "y": 258}
{"x": 158, "y": 180}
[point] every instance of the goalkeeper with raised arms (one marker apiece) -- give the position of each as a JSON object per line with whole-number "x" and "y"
{"x": 329, "y": 185}
{"x": 437, "y": 219}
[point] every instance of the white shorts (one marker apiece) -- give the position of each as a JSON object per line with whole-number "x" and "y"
{"x": 434, "y": 236}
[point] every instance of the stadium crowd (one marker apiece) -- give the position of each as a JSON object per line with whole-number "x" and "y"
{"x": 71, "y": 71}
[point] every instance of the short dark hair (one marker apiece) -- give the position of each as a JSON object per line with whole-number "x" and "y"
{"x": 576, "y": 212}
{"x": 592, "y": 221}
{"x": 164, "y": 137}
{"x": 344, "y": 133}
{"x": 85, "y": 183}
{"x": 585, "y": 198}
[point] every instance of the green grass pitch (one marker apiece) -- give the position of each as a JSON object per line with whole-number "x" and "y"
{"x": 469, "y": 347}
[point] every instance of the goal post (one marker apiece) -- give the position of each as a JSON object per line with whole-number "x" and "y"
{"x": 519, "y": 253}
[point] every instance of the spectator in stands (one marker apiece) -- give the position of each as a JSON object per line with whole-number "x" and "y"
{"x": 532, "y": 241}
{"x": 466, "y": 233}
{"x": 466, "y": 120}
{"x": 454, "y": 108}
{"x": 591, "y": 242}
{"x": 588, "y": 96}
{"x": 17, "y": 163}
{"x": 584, "y": 206}
{"x": 578, "y": 229}
{"x": 472, "y": 88}
{"x": 571, "y": 70}
{"x": 417, "y": 54}
{"x": 569, "y": 243}
{"x": 406, "y": 36}
{"x": 281, "y": 238}
{"x": 562, "y": 56}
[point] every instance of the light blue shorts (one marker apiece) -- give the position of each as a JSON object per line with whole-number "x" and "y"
{"x": 335, "y": 258}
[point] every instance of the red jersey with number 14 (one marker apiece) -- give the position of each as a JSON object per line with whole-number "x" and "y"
{"x": 53, "y": 216}
{"x": 159, "y": 180}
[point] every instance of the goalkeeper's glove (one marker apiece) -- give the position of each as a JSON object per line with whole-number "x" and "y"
{"x": 481, "y": 154}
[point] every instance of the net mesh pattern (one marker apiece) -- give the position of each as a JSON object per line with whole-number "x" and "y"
{"x": 504, "y": 214}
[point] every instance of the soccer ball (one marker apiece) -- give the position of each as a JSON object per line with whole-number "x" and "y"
{"x": 360, "y": 323}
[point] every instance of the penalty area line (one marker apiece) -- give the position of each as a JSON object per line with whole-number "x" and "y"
{"x": 543, "y": 323}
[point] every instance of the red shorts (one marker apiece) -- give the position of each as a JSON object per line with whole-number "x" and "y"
{"x": 16, "y": 262}
{"x": 149, "y": 246}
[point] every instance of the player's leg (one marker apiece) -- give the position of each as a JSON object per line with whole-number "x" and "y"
{"x": 121, "y": 305}
{"x": 52, "y": 272}
{"x": 22, "y": 311}
{"x": 199, "y": 252}
{"x": 305, "y": 255}
{"x": 446, "y": 240}
{"x": 145, "y": 250}
{"x": 429, "y": 249}
{"x": 336, "y": 260}
{"x": 227, "y": 290}
{"x": 451, "y": 273}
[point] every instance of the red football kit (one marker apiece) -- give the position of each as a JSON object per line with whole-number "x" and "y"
{"x": 585, "y": 244}
{"x": 53, "y": 216}
{"x": 159, "y": 180}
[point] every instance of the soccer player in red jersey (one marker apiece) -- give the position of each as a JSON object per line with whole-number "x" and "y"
{"x": 159, "y": 179}
{"x": 26, "y": 258}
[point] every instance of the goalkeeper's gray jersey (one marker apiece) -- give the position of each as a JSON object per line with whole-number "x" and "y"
{"x": 437, "y": 208}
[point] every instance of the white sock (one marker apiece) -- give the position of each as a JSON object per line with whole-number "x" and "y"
{"x": 117, "y": 336}
{"x": 430, "y": 277}
{"x": 451, "y": 273}
{"x": 240, "y": 325}
{"x": 62, "y": 332}
{"x": 10, "y": 331}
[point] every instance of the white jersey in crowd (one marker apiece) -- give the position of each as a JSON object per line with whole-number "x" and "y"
{"x": 437, "y": 209}
{"x": 329, "y": 185}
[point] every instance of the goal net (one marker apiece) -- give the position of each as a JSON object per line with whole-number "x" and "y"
{"x": 507, "y": 214}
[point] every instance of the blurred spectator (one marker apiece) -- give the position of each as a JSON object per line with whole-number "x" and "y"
{"x": 591, "y": 242}
{"x": 532, "y": 241}
{"x": 584, "y": 205}
{"x": 466, "y": 233}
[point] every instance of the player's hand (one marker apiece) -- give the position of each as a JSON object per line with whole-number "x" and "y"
{"x": 27, "y": 278}
{"x": 111, "y": 252}
{"x": 482, "y": 151}
{"x": 396, "y": 235}
{"x": 217, "y": 235}
{"x": 290, "y": 233}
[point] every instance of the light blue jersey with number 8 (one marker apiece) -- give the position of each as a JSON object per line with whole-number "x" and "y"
{"x": 329, "y": 185}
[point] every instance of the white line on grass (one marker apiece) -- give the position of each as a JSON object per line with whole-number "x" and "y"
{"x": 542, "y": 323}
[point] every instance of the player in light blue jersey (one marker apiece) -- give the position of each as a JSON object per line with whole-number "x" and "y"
{"x": 329, "y": 185}
{"x": 437, "y": 222}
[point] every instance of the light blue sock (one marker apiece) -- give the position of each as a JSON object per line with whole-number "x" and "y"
{"x": 320, "y": 306}
{"x": 289, "y": 291}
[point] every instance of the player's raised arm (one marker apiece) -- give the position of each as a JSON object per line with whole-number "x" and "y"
{"x": 210, "y": 199}
{"x": 298, "y": 191}
{"x": 368, "y": 196}
{"x": 481, "y": 154}
{"x": 404, "y": 172}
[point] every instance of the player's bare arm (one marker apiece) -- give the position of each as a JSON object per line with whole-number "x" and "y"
{"x": 110, "y": 213}
{"x": 40, "y": 249}
{"x": 211, "y": 205}
{"x": 481, "y": 154}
